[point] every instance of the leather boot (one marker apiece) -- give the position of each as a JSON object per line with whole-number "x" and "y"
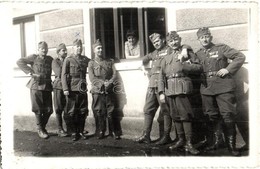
{"x": 231, "y": 138}
{"x": 45, "y": 119}
{"x": 165, "y": 139}
{"x": 82, "y": 127}
{"x": 218, "y": 141}
{"x": 96, "y": 125}
{"x": 40, "y": 130}
{"x": 189, "y": 147}
{"x": 179, "y": 143}
{"x": 145, "y": 138}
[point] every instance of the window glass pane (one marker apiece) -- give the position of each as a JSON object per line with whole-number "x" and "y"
{"x": 30, "y": 39}
{"x": 104, "y": 24}
{"x": 17, "y": 42}
{"x": 155, "y": 23}
{"x": 128, "y": 23}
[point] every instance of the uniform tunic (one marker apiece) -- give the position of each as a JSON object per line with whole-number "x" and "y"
{"x": 59, "y": 100}
{"x": 152, "y": 101}
{"x": 215, "y": 88}
{"x": 176, "y": 85}
{"x": 40, "y": 87}
{"x": 101, "y": 70}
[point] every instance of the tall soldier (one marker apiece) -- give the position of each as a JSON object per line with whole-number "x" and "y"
{"x": 59, "y": 99}
{"x": 175, "y": 86}
{"x": 217, "y": 90}
{"x": 102, "y": 74}
{"x": 73, "y": 78}
{"x": 39, "y": 67}
{"x": 152, "y": 101}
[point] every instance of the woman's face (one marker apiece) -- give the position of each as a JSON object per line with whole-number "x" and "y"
{"x": 132, "y": 40}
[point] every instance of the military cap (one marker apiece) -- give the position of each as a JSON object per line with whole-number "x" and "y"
{"x": 203, "y": 31}
{"x": 77, "y": 42}
{"x": 154, "y": 36}
{"x": 172, "y": 35}
{"x": 130, "y": 33}
{"x": 61, "y": 46}
{"x": 97, "y": 43}
{"x": 42, "y": 44}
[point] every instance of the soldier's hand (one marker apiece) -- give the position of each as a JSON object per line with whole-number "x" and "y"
{"x": 106, "y": 84}
{"x": 222, "y": 72}
{"x": 184, "y": 53}
{"x": 35, "y": 76}
{"x": 145, "y": 71}
{"x": 162, "y": 98}
{"x": 66, "y": 93}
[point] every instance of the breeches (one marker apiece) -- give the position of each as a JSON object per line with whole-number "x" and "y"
{"x": 152, "y": 103}
{"x": 223, "y": 105}
{"x": 41, "y": 101}
{"x": 76, "y": 103}
{"x": 103, "y": 105}
{"x": 180, "y": 107}
{"x": 59, "y": 100}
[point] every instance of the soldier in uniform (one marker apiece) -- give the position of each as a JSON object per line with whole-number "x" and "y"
{"x": 217, "y": 90}
{"x": 73, "y": 78}
{"x": 175, "y": 86}
{"x": 39, "y": 67}
{"x": 102, "y": 74}
{"x": 152, "y": 102}
{"x": 59, "y": 99}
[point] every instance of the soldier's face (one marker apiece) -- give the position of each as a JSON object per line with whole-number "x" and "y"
{"x": 174, "y": 43}
{"x": 43, "y": 50}
{"x": 205, "y": 40}
{"x": 158, "y": 43}
{"x": 98, "y": 51}
{"x": 131, "y": 39}
{"x": 63, "y": 53}
{"x": 77, "y": 49}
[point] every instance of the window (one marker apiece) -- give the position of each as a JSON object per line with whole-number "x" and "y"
{"x": 111, "y": 25}
{"x": 24, "y": 31}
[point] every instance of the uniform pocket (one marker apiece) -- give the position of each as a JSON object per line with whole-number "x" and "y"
{"x": 97, "y": 71}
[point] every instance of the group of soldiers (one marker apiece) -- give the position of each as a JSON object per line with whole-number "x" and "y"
{"x": 70, "y": 89}
{"x": 171, "y": 82}
{"x": 175, "y": 68}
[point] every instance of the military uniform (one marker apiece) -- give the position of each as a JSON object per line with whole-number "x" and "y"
{"x": 101, "y": 70}
{"x": 40, "y": 87}
{"x": 73, "y": 79}
{"x": 152, "y": 101}
{"x": 175, "y": 83}
{"x": 218, "y": 92}
{"x": 59, "y": 100}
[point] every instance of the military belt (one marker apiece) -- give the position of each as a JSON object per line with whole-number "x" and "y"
{"x": 175, "y": 75}
{"x": 156, "y": 72}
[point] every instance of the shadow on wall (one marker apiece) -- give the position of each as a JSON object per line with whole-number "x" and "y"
{"x": 120, "y": 102}
{"x": 242, "y": 91}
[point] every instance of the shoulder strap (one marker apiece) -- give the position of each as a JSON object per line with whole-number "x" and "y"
{"x": 100, "y": 65}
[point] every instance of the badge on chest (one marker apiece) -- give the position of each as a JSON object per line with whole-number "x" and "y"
{"x": 213, "y": 54}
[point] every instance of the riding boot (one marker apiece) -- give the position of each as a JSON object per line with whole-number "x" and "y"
{"x": 145, "y": 138}
{"x": 180, "y": 142}
{"x": 102, "y": 127}
{"x": 40, "y": 130}
{"x": 217, "y": 138}
{"x": 45, "y": 119}
{"x": 82, "y": 127}
{"x": 231, "y": 138}
{"x": 165, "y": 139}
{"x": 189, "y": 147}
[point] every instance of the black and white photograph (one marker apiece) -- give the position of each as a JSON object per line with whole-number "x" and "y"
{"x": 129, "y": 85}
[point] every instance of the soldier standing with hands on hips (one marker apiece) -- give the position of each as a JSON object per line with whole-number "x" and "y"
{"x": 102, "y": 74}
{"x": 59, "y": 99}
{"x": 39, "y": 67}
{"x": 175, "y": 86}
{"x": 73, "y": 78}
{"x": 217, "y": 89}
{"x": 152, "y": 101}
